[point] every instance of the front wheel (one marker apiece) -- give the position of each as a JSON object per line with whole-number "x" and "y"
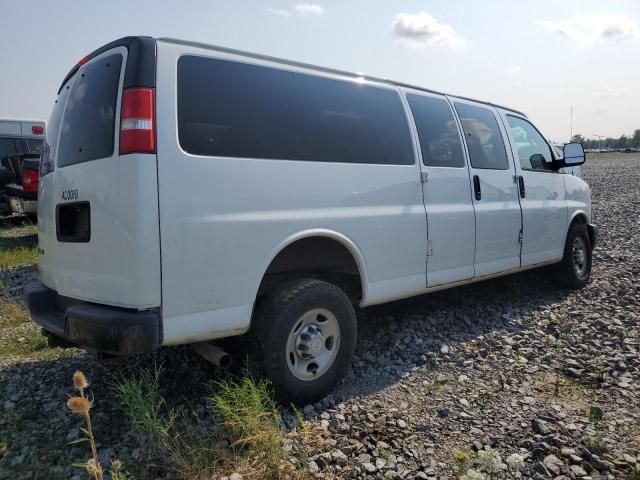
{"x": 574, "y": 270}
{"x": 306, "y": 336}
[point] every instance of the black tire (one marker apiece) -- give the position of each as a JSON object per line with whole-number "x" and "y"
{"x": 567, "y": 273}
{"x": 273, "y": 323}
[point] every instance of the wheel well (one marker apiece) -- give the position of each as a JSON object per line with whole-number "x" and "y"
{"x": 316, "y": 257}
{"x": 581, "y": 218}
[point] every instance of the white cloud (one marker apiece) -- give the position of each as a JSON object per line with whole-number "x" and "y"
{"x": 308, "y": 9}
{"x": 420, "y": 30}
{"x": 589, "y": 30}
{"x": 299, "y": 9}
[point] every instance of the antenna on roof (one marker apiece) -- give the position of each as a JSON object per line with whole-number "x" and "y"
{"x": 571, "y": 124}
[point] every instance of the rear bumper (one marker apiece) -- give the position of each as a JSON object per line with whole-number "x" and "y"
{"x": 112, "y": 330}
{"x": 593, "y": 235}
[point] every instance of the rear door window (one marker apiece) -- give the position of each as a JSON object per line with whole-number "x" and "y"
{"x": 34, "y": 146}
{"x": 7, "y": 147}
{"x": 483, "y": 137}
{"x": 437, "y": 131}
{"x": 233, "y": 109}
{"x": 88, "y": 124}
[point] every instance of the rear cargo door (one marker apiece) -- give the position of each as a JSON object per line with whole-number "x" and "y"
{"x": 98, "y": 212}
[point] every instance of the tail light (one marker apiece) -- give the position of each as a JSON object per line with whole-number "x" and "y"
{"x": 138, "y": 121}
{"x": 29, "y": 180}
{"x": 37, "y": 130}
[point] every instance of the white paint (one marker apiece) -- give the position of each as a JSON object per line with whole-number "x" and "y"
{"x": 221, "y": 221}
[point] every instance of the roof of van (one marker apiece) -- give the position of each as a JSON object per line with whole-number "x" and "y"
{"x": 323, "y": 69}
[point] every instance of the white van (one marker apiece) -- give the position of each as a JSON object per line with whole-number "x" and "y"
{"x": 190, "y": 193}
{"x": 20, "y": 147}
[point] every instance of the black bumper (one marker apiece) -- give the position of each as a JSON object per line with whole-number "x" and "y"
{"x": 593, "y": 235}
{"x": 112, "y": 330}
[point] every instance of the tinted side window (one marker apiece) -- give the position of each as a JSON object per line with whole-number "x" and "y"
{"x": 34, "y": 146}
{"x": 437, "y": 131}
{"x": 533, "y": 151}
{"x": 7, "y": 147}
{"x": 232, "y": 109}
{"x": 483, "y": 137}
{"x": 88, "y": 123}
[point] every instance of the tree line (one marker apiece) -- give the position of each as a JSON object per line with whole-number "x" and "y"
{"x": 624, "y": 141}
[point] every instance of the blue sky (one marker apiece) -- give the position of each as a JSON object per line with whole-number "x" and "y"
{"x": 541, "y": 57}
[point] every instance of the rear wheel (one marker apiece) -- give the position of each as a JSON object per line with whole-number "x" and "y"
{"x": 574, "y": 270}
{"x": 306, "y": 336}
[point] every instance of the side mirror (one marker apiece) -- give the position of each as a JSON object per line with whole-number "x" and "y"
{"x": 537, "y": 161}
{"x": 573, "y": 155}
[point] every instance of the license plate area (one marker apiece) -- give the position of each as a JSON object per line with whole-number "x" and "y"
{"x": 73, "y": 222}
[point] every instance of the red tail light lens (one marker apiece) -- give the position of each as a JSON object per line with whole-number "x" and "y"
{"x": 138, "y": 121}
{"x": 29, "y": 180}
{"x": 37, "y": 130}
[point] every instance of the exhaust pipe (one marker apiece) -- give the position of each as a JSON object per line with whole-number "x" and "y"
{"x": 213, "y": 353}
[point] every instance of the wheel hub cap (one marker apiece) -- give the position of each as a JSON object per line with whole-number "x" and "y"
{"x": 309, "y": 342}
{"x": 579, "y": 256}
{"x": 313, "y": 344}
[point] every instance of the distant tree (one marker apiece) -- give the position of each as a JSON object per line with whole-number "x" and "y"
{"x": 622, "y": 141}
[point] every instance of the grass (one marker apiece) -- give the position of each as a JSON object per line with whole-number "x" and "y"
{"x": 249, "y": 415}
{"x": 12, "y": 313}
{"x": 18, "y": 335}
{"x": 18, "y": 247}
{"x": 140, "y": 399}
{"x": 612, "y": 155}
{"x": 245, "y": 436}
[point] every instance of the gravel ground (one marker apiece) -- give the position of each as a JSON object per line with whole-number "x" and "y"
{"x": 512, "y": 364}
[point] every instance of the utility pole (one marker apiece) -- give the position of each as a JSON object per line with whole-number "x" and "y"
{"x": 571, "y": 124}
{"x": 600, "y": 137}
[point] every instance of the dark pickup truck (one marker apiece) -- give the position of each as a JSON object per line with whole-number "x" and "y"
{"x": 20, "y": 148}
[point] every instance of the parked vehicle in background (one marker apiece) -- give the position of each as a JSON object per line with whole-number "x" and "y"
{"x": 283, "y": 195}
{"x": 20, "y": 149}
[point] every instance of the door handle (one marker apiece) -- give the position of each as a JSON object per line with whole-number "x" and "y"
{"x": 476, "y": 187}
{"x": 521, "y": 186}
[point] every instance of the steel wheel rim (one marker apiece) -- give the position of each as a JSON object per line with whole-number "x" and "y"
{"x": 313, "y": 344}
{"x": 579, "y": 255}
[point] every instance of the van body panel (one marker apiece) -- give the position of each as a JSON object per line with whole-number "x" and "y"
{"x": 578, "y": 199}
{"x": 449, "y": 207}
{"x": 211, "y": 205}
{"x": 119, "y": 265}
{"x": 544, "y": 217}
{"x": 497, "y": 211}
{"x": 544, "y": 206}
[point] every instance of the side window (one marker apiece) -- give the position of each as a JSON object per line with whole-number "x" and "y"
{"x": 534, "y": 152}
{"x": 437, "y": 131}
{"x": 7, "y": 147}
{"x": 233, "y": 109}
{"x": 34, "y": 146}
{"x": 483, "y": 137}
